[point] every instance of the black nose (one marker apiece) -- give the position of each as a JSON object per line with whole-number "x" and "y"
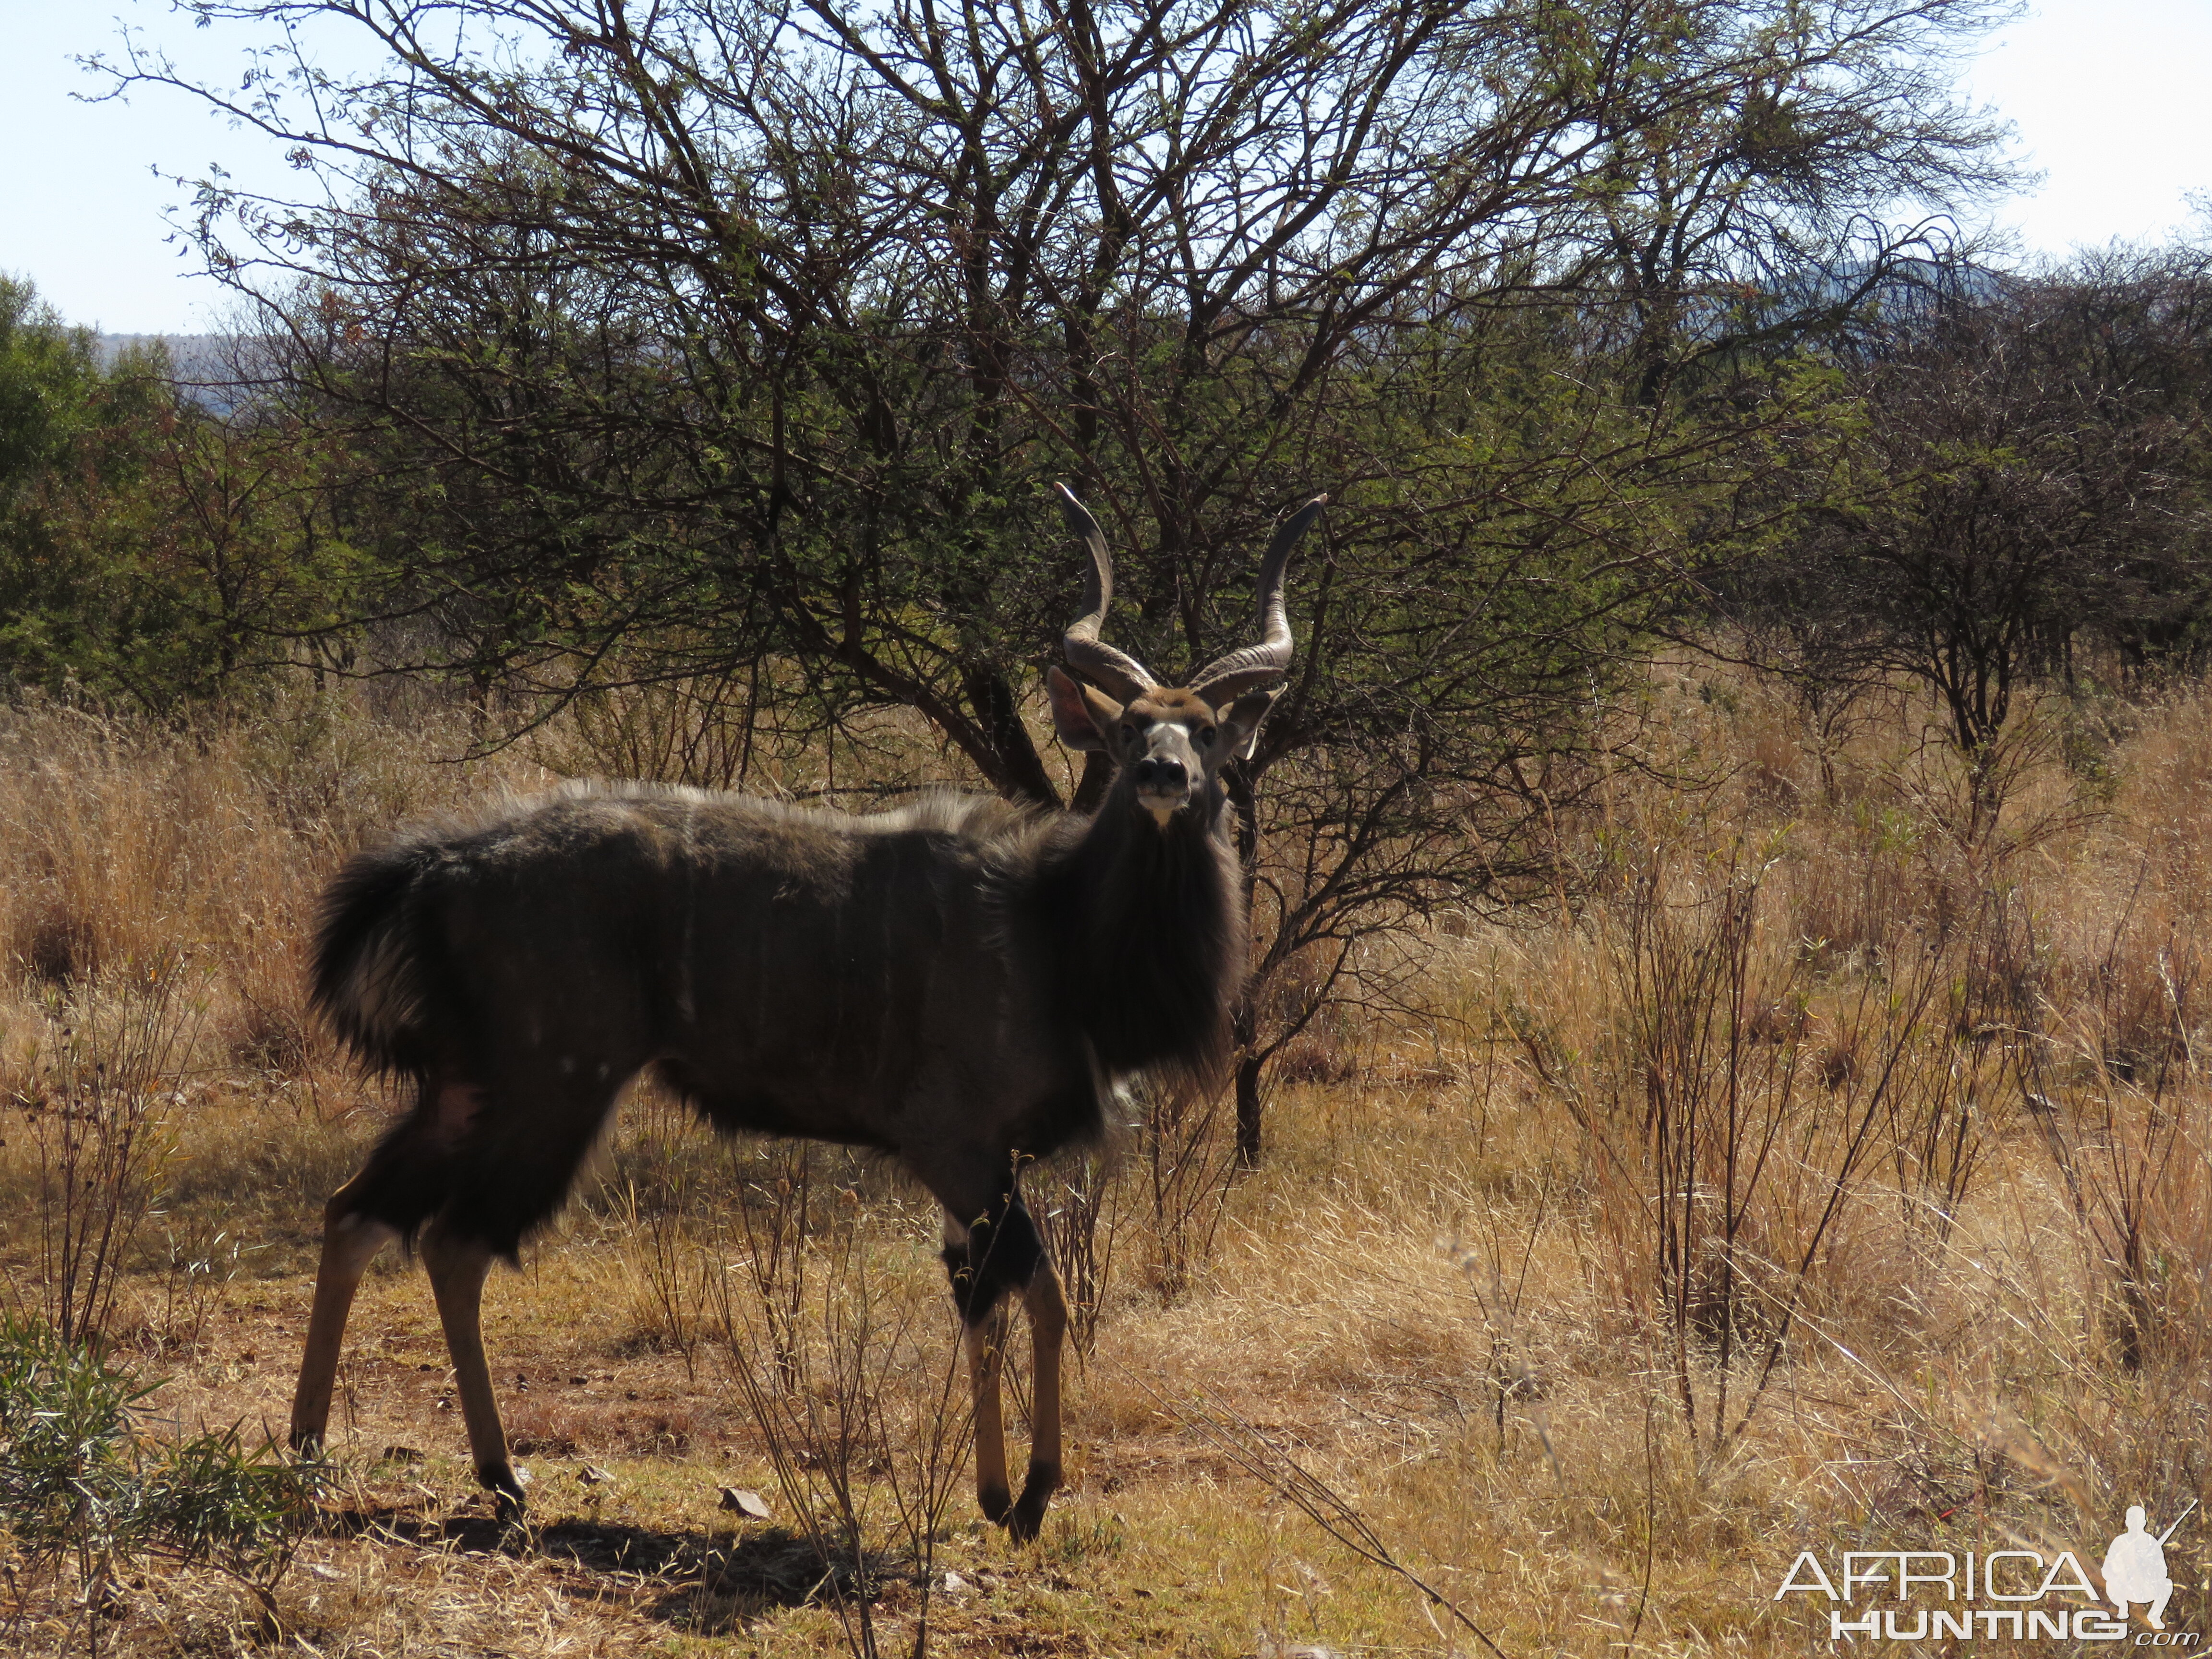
{"x": 1158, "y": 772}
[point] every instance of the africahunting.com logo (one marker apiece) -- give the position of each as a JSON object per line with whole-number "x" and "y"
{"x": 1923, "y": 1595}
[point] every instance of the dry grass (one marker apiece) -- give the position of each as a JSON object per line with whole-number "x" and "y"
{"x": 1826, "y": 1171}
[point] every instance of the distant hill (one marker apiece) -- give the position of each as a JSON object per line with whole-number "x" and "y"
{"x": 202, "y": 364}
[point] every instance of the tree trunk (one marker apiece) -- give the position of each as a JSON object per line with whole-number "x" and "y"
{"x": 1248, "y": 1112}
{"x": 1014, "y": 764}
{"x": 1244, "y": 1020}
{"x": 1247, "y": 1088}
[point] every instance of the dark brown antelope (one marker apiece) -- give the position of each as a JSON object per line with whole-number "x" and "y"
{"x": 957, "y": 984}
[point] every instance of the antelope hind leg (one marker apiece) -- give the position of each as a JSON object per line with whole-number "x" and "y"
{"x": 1046, "y": 1308}
{"x": 350, "y": 1242}
{"x": 457, "y": 1269}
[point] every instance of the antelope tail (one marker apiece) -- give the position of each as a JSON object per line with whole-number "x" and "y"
{"x": 373, "y": 972}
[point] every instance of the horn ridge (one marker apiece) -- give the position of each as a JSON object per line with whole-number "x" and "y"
{"x": 1116, "y": 671}
{"x": 1249, "y": 667}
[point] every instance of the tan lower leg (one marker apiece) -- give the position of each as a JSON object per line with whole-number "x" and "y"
{"x": 349, "y": 1244}
{"x": 458, "y": 1270}
{"x": 1047, "y": 1315}
{"x": 986, "y": 1349}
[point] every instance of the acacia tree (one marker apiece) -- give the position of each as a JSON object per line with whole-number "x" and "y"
{"x": 2028, "y": 470}
{"x": 687, "y": 335}
{"x": 1743, "y": 227}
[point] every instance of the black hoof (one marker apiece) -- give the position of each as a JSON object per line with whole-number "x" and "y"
{"x": 1028, "y": 1516}
{"x": 997, "y": 1503}
{"x": 508, "y": 1505}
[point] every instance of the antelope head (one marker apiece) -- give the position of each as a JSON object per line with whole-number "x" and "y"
{"x": 1170, "y": 742}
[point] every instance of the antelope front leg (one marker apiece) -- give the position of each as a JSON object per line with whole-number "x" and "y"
{"x": 987, "y": 1343}
{"x": 350, "y": 1243}
{"x": 458, "y": 1270}
{"x": 1047, "y": 1315}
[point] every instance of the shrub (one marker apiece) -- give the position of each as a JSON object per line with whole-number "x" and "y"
{"x": 82, "y": 1483}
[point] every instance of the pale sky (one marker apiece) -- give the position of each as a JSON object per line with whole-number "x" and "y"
{"x": 2111, "y": 98}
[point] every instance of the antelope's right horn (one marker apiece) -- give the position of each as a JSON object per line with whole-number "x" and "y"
{"x": 1116, "y": 672}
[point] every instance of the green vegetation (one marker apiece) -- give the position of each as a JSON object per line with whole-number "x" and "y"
{"x": 84, "y": 1483}
{"x": 153, "y": 553}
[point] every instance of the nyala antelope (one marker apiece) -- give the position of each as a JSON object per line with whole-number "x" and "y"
{"x": 957, "y": 984}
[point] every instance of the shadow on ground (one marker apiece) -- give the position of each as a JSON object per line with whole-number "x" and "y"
{"x": 711, "y": 1582}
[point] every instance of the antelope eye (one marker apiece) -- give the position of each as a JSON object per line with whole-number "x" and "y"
{"x": 1129, "y": 730}
{"x": 1206, "y": 735}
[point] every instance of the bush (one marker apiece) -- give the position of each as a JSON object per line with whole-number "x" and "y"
{"x": 81, "y": 1484}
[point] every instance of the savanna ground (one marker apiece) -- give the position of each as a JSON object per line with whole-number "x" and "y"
{"x": 1825, "y": 1166}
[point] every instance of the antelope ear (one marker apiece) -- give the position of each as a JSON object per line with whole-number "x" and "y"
{"x": 1080, "y": 715}
{"x": 1240, "y": 721}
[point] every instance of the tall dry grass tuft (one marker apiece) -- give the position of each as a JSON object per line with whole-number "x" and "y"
{"x": 855, "y": 1389}
{"x": 1737, "y": 1109}
{"x": 157, "y": 893}
{"x": 96, "y": 1082}
{"x": 127, "y": 842}
{"x": 1830, "y": 1167}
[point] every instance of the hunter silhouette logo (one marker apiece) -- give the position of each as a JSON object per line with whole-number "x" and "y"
{"x": 2135, "y": 1567}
